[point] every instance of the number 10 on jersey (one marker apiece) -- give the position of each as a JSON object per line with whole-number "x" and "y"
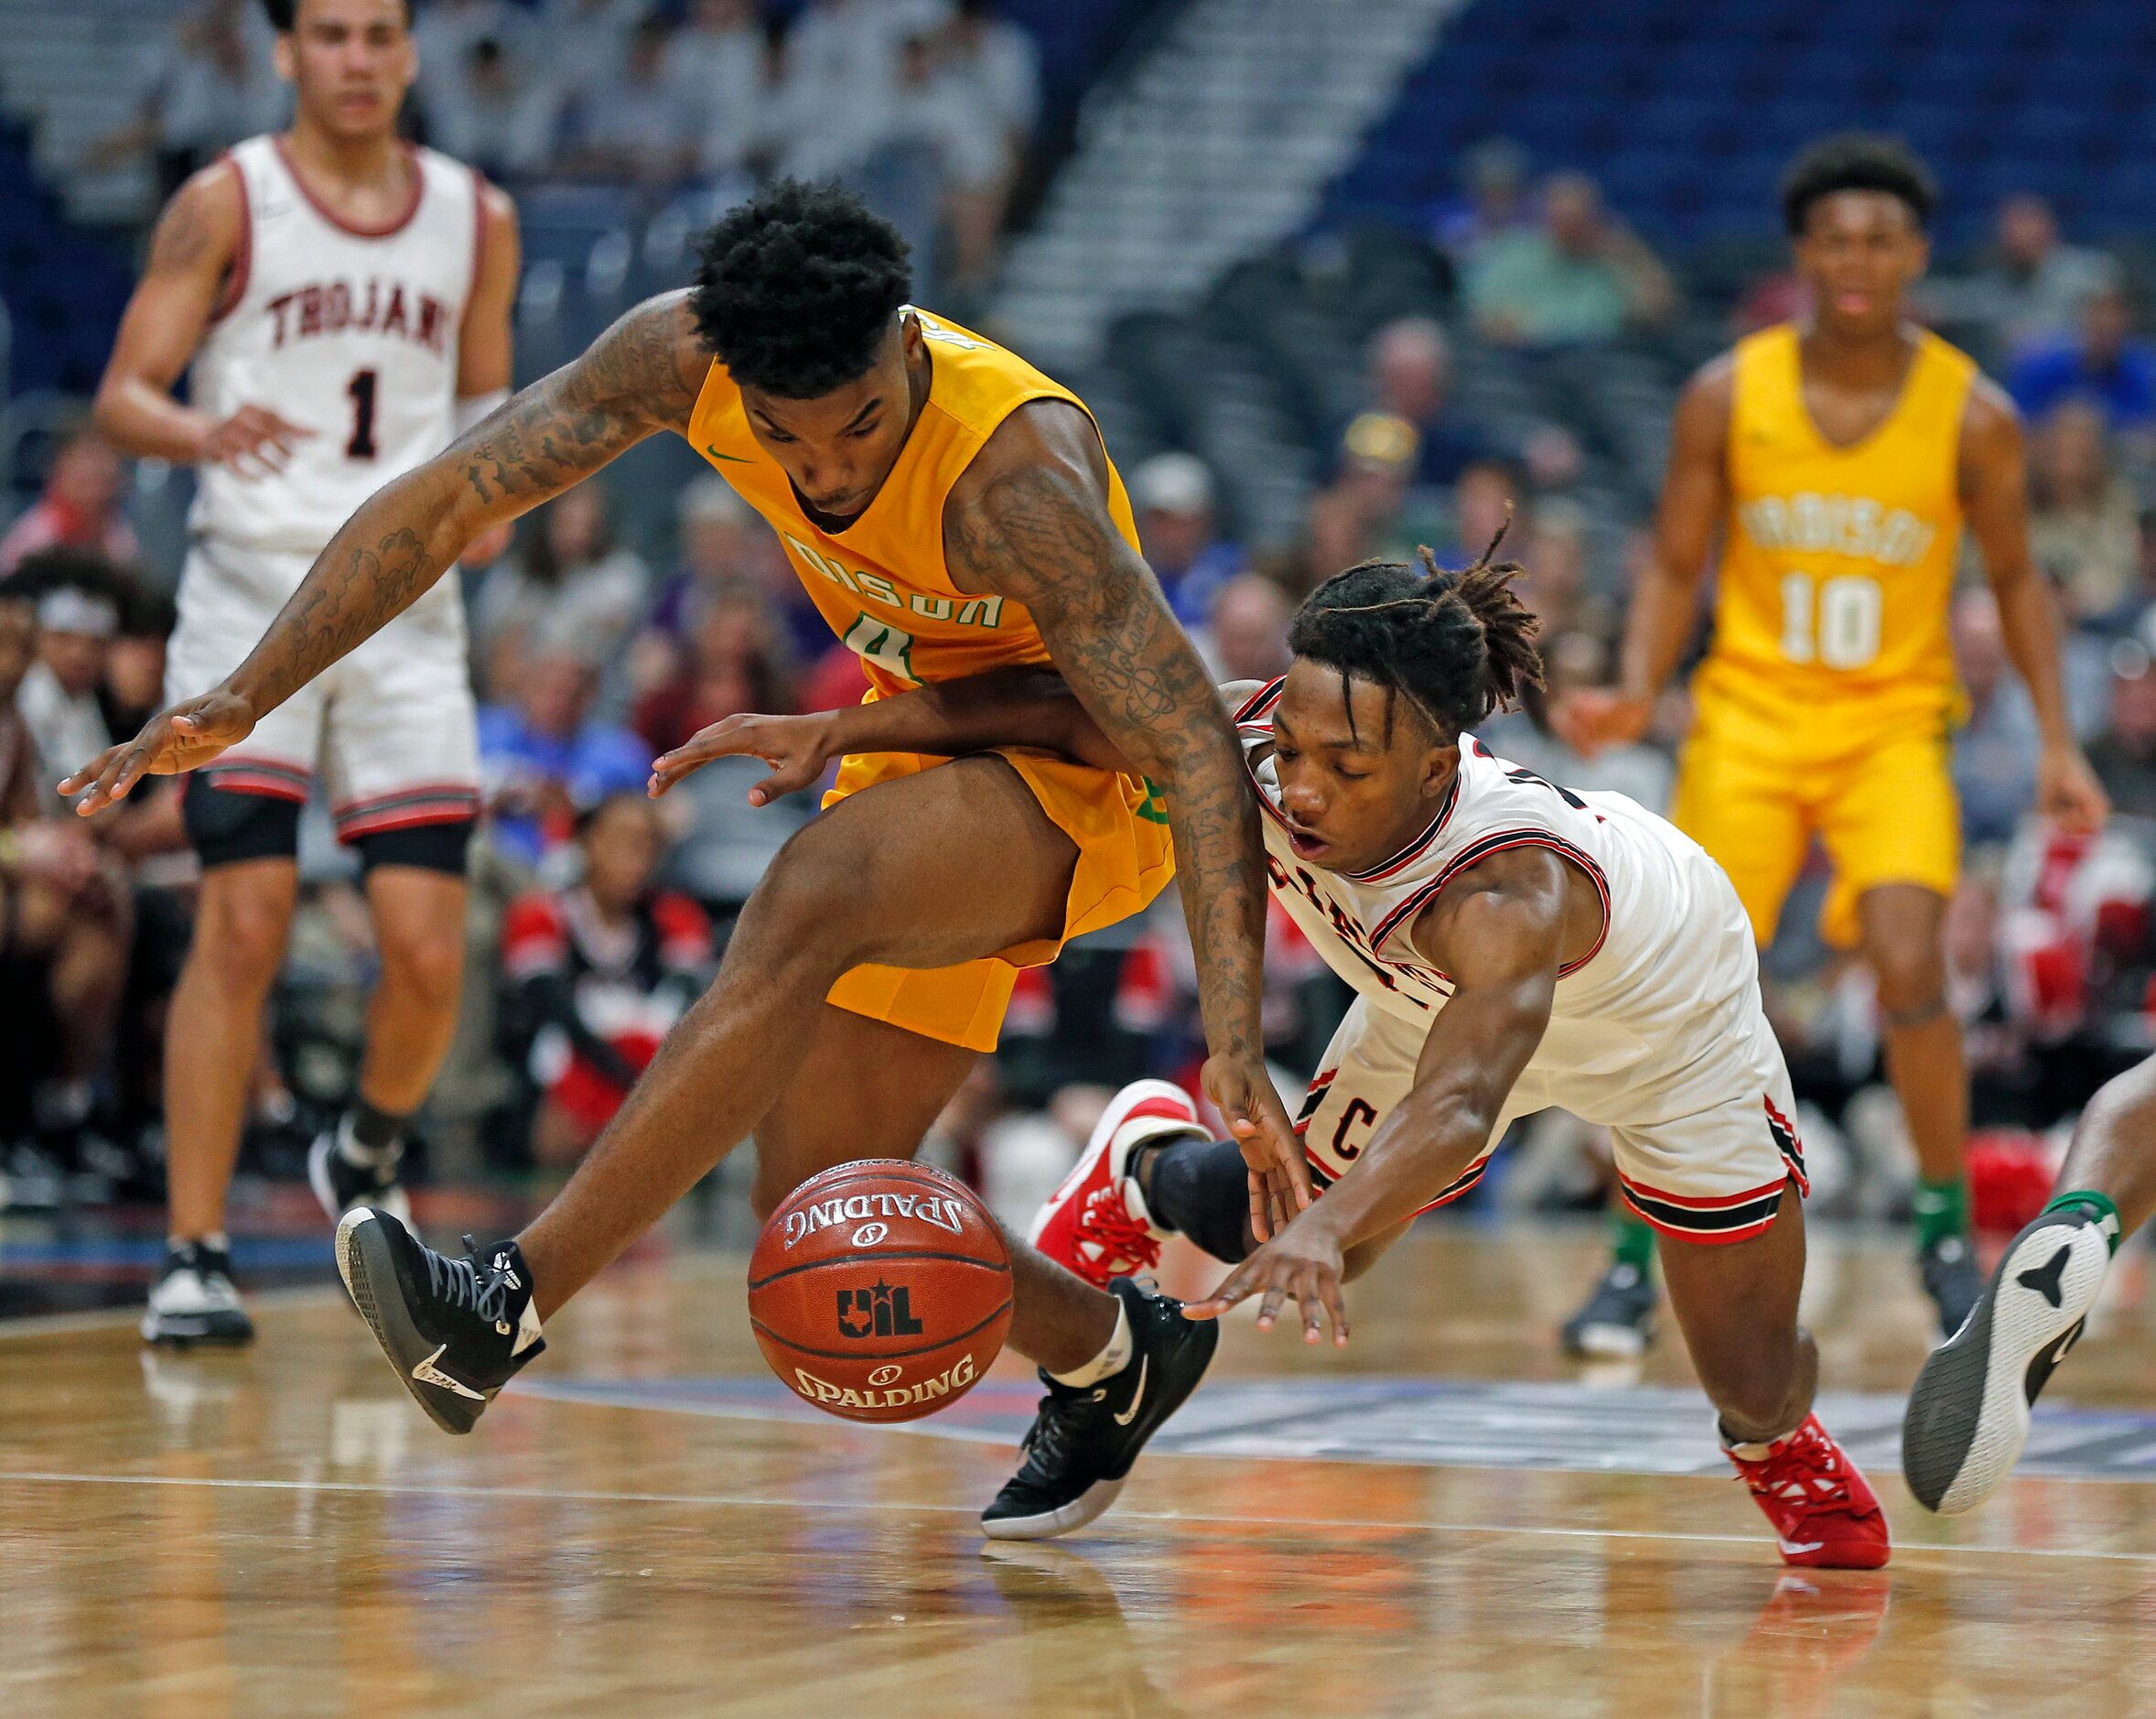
{"x": 1835, "y": 622}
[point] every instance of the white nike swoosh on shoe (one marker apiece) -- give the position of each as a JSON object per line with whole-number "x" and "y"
{"x": 427, "y": 1373}
{"x": 1130, "y": 1414}
{"x": 2059, "y": 1354}
{"x": 1793, "y": 1547}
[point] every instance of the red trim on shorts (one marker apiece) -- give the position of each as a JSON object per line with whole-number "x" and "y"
{"x": 337, "y": 220}
{"x": 441, "y": 812}
{"x": 236, "y": 277}
{"x": 1723, "y": 1219}
{"x": 411, "y": 790}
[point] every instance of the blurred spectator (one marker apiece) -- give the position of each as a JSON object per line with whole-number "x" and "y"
{"x": 1576, "y": 279}
{"x": 587, "y": 40}
{"x": 1995, "y": 753}
{"x": 1492, "y": 199}
{"x": 79, "y": 597}
{"x": 715, "y": 65}
{"x": 599, "y": 973}
{"x": 1410, "y": 363}
{"x": 81, "y": 505}
{"x": 1362, "y": 513}
{"x": 64, "y": 920}
{"x": 637, "y": 127}
{"x": 2124, "y": 755}
{"x": 2104, "y": 363}
{"x": 996, "y": 66}
{"x": 936, "y": 166}
{"x": 1553, "y": 552}
{"x": 444, "y": 35}
{"x": 1172, "y": 496}
{"x": 1571, "y": 662}
{"x": 214, "y": 87}
{"x": 567, "y": 586}
{"x": 2084, "y": 524}
{"x": 2035, "y": 286}
{"x": 542, "y": 760}
{"x": 723, "y": 544}
{"x": 738, "y": 661}
{"x": 1245, "y": 638}
{"x": 500, "y": 118}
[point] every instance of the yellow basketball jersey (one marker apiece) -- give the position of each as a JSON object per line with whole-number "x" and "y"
{"x": 1837, "y": 562}
{"x": 881, "y": 582}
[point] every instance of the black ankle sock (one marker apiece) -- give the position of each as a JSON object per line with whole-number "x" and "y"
{"x": 376, "y": 1132}
{"x": 1200, "y": 1188}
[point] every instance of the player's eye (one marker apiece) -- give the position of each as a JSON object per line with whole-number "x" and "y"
{"x": 862, "y": 430}
{"x": 1350, "y": 775}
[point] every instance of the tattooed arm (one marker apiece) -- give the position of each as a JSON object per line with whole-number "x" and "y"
{"x": 640, "y": 376}
{"x": 1030, "y": 521}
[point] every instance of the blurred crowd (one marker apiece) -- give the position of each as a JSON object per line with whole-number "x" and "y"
{"x": 928, "y": 104}
{"x": 599, "y": 915}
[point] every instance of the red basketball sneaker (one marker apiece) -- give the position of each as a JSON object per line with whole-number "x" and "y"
{"x": 1096, "y": 1223}
{"x": 1824, "y": 1513}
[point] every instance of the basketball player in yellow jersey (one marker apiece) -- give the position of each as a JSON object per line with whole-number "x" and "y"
{"x": 1840, "y": 461}
{"x": 952, "y": 510}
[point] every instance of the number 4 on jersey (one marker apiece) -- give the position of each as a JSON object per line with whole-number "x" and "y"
{"x": 889, "y": 647}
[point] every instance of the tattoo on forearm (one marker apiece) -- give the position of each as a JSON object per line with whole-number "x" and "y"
{"x": 1035, "y": 534}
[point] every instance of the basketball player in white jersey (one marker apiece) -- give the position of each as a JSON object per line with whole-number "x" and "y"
{"x": 1514, "y": 946}
{"x": 343, "y": 301}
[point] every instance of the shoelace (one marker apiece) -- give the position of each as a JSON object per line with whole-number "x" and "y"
{"x": 1806, "y": 1473}
{"x": 461, "y": 1283}
{"x": 1122, "y": 1236}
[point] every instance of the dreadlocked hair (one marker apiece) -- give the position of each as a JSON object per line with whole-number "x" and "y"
{"x": 1455, "y": 645}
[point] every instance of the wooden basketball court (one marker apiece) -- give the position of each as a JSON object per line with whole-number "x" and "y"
{"x": 1449, "y": 1519}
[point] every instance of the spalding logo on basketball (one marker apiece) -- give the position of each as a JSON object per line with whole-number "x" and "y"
{"x": 881, "y": 1291}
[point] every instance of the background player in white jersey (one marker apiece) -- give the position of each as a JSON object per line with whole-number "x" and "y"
{"x": 344, "y": 300}
{"x": 1514, "y": 946}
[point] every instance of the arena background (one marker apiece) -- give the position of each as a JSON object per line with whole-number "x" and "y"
{"x": 1339, "y": 276}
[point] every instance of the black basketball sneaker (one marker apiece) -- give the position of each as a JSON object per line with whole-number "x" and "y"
{"x": 455, "y": 1330}
{"x": 1084, "y": 1438}
{"x": 1949, "y": 1268}
{"x": 1615, "y": 1323}
{"x": 1968, "y": 1413}
{"x": 193, "y": 1299}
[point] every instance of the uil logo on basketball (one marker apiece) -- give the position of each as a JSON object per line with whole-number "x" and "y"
{"x": 882, "y": 1312}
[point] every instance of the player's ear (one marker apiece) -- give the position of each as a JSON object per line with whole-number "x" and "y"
{"x": 909, "y": 336}
{"x": 1439, "y": 765}
{"x": 283, "y": 57}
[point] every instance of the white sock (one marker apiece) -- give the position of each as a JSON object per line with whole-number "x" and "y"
{"x": 1111, "y": 1360}
{"x": 1751, "y": 1452}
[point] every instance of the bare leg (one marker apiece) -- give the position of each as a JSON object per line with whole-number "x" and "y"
{"x": 213, "y": 1033}
{"x": 1904, "y": 942}
{"x": 868, "y": 1089}
{"x": 1736, "y": 1303}
{"x": 411, "y": 1016}
{"x": 2114, "y": 1149}
{"x": 947, "y": 866}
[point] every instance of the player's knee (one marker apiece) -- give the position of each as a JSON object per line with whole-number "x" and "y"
{"x": 806, "y": 913}
{"x": 240, "y": 939}
{"x": 1912, "y": 984}
{"x": 427, "y": 967}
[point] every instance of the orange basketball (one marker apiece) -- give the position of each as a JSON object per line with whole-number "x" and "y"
{"x": 881, "y": 1291}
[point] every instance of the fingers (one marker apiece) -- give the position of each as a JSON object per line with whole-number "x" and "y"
{"x": 88, "y": 773}
{"x": 1234, "y": 1288}
{"x": 1260, "y": 1214}
{"x": 118, "y": 771}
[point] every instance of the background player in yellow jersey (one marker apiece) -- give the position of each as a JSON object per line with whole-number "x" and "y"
{"x": 952, "y": 510}
{"x": 1838, "y": 460}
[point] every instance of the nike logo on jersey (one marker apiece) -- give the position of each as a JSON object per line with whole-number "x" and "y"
{"x": 427, "y": 1373}
{"x": 738, "y": 460}
{"x": 1130, "y": 1414}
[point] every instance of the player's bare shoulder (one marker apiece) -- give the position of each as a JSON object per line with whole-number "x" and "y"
{"x": 203, "y": 227}
{"x": 1706, "y": 401}
{"x": 1033, "y": 504}
{"x": 1991, "y": 429}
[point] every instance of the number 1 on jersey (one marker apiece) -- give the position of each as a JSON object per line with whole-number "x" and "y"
{"x": 360, "y": 388}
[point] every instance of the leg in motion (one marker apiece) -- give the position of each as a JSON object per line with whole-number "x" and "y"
{"x": 1968, "y": 1413}
{"x": 1736, "y": 1304}
{"x": 1904, "y": 927}
{"x": 212, "y": 1037}
{"x": 419, "y": 915}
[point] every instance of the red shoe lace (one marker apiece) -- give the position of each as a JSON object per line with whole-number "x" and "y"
{"x": 1121, "y": 1236}
{"x": 1807, "y": 1474}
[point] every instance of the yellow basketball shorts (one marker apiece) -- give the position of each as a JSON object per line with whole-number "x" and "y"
{"x": 1125, "y": 858}
{"x": 1878, "y": 794}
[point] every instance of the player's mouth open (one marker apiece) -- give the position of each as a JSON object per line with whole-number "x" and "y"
{"x": 1306, "y": 845}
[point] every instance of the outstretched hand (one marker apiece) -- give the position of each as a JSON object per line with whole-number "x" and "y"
{"x": 185, "y": 737}
{"x": 1258, "y": 1122}
{"x": 797, "y": 747}
{"x": 1302, "y": 1261}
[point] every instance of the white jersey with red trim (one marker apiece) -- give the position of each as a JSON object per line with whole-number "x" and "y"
{"x": 1638, "y": 1023}
{"x": 351, "y": 334}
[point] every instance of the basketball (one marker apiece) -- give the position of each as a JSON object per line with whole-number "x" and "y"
{"x": 881, "y": 1291}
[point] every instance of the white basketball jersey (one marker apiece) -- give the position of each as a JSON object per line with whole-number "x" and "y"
{"x": 352, "y": 335}
{"x": 1672, "y": 972}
